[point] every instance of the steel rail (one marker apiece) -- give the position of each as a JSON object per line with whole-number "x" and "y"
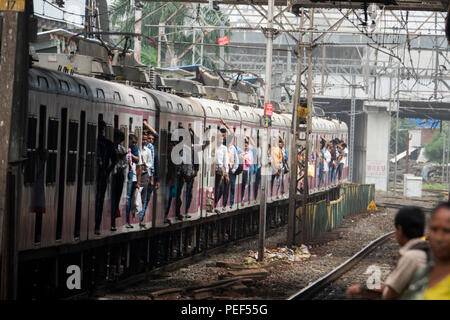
{"x": 315, "y": 287}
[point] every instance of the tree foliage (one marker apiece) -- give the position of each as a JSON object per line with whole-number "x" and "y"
{"x": 122, "y": 19}
{"x": 434, "y": 150}
{"x": 403, "y": 125}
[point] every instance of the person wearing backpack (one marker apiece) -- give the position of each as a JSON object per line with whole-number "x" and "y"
{"x": 409, "y": 225}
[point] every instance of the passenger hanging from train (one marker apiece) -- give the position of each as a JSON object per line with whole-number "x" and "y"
{"x": 184, "y": 167}
{"x": 171, "y": 179}
{"x": 343, "y": 155}
{"x": 221, "y": 167}
{"x": 330, "y": 163}
{"x": 409, "y": 225}
{"x": 106, "y": 160}
{"x": 234, "y": 169}
{"x": 247, "y": 158}
{"x": 321, "y": 163}
{"x": 253, "y": 170}
{"x": 134, "y": 175}
{"x": 433, "y": 281}
{"x": 118, "y": 177}
{"x": 256, "y": 165}
{"x": 230, "y": 184}
{"x": 147, "y": 163}
{"x": 188, "y": 171}
{"x": 276, "y": 162}
{"x": 284, "y": 163}
{"x": 153, "y": 183}
{"x": 335, "y": 143}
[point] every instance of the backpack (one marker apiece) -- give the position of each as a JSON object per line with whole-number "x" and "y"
{"x": 423, "y": 245}
{"x": 239, "y": 169}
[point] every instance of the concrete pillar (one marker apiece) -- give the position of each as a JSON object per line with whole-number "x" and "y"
{"x": 372, "y": 144}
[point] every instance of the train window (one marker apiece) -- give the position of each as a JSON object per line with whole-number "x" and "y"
{"x": 210, "y": 110}
{"x": 145, "y": 100}
{"x": 213, "y": 155}
{"x": 83, "y": 90}
{"x": 109, "y": 132}
{"x": 52, "y": 147}
{"x": 116, "y": 121}
{"x": 42, "y": 121}
{"x": 190, "y": 108}
{"x": 137, "y": 132}
{"x": 124, "y": 129}
{"x": 169, "y": 105}
{"x": 180, "y": 107}
{"x": 132, "y": 98}
{"x": 72, "y": 152}
{"x": 100, "y": 94}
{"x": 29, "y": 173}
{"x": 130, "y": 124}
{"x": 90, "y": 153}
{"x": 43, "y": 82}
{"x": 228, "y": 112}
{"x": 63, "y": 85}
{"x": 116, "y": 96}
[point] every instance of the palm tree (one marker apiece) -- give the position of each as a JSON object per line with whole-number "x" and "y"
{"x": 177, "y": 43}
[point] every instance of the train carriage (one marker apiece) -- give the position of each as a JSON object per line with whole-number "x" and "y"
{"x": 176, "y": 112}
{"x": 64, "y": 113}
{"x": 280, "y": 127}
{"x": 214, "y": 111}
{"x": 249, "y": 127}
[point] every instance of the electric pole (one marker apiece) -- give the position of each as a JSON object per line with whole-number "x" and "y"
{"x": 137, "y": 29}
{"x": 301, "y": 129}
{"x": 14, "y": 64}
{"x": 266, "y": 137}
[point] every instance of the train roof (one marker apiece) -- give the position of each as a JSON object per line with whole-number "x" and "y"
{"x": 277, "y": 119}
{"x": 322, "y": 124}
{"x": 217, "y": 109}
{"x": 88, "y": 88}
{"x": 171, "y": 103}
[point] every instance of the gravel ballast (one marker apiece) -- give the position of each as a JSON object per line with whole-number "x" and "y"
{"x": 285, "y": 276}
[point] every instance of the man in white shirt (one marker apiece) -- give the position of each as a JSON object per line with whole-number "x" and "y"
{"x": 147, "y": 162}
{"x": 326, "y": 162}
{"x": 221, "y": 161}
{"x": 134, "y": 175}
{"x": 344, "y": 155}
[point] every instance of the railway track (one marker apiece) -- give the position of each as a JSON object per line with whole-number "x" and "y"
{"x": 380, "y": 253}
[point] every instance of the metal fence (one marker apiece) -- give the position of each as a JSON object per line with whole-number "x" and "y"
{"x": 323, "y": 216}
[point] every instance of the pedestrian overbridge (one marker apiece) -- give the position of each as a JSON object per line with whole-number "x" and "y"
{"x": 421, "y": 109}
{"x": 372, "y": 131}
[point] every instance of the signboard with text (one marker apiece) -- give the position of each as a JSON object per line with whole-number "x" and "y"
{"x": 12, "y": 5}
{"x": 376, "y": 173}
{"x": 267, "y": 121}
{"x": 268, "y": 110}
{"x": 223, "y": 41}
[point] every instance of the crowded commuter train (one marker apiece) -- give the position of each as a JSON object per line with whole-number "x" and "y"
{"x": 86, "y": 159}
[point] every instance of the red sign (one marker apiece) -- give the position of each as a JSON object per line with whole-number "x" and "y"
{"x": 268, "y": 111}
{"x": 223, "y": 41}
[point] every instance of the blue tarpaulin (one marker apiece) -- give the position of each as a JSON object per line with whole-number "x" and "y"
{"x": 425, "y": 123}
